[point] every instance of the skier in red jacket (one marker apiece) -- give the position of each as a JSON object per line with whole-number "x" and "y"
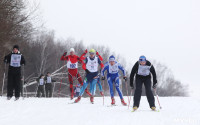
{"x": 72, "y": 66}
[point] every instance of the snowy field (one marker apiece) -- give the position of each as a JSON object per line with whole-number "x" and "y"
{"x": 58, "y": 111}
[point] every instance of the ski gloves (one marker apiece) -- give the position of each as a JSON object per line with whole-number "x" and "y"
{"x": 65, "y": 53}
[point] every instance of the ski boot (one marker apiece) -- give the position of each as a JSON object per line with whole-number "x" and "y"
{"x": 9, "y": 98}
{"x": 153, "y": 108}
{"x": 78, "y": 99}
{"x": 87, "y": 92}
{"x": 72, "y": 96}
{"x": 123, "y": 102}
{"x": 17, "y": 98}
{"x": 135, "y": 108}
{"x": 101, "y": 93}
{"x": 92, "y": 99}
{"x": 113, "y": 101}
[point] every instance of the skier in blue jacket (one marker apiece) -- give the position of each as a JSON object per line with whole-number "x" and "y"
{"x": 112, "y": 67}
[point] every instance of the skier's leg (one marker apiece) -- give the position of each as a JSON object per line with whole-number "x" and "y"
{"x": 43, "y": 91}
{"x": 110, "y": 84}
{"x": 38, "y": 91}
{"x": 85, "y": 84}
{"x": 50, "y": 90}
{"x": 93, "y": 83}
{"x": 117, "y": 88}
{"x": 149, "y": 94}
{"x": 100, "y": 86}
{"x": 47, "y": 90}
{"x": 10, "y": 85}
{"x": 17, "y": 81}
{"x": 80, "y": 80}
{"x": 138, "y": 92}
{"x": 70, "y": 77}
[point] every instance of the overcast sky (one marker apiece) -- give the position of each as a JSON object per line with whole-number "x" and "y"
{"x": 165, "y": 30}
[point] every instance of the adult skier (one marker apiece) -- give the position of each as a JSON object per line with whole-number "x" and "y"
{"x": 41, "y": 86}
{"x": 15, "y": 60}
{"x": 72, "y": 66}
{"x": 143, "y": 70}
{"x": 90, "y": 66}
{"x": 49, "y": 85}
{"x": 112, "y": 67}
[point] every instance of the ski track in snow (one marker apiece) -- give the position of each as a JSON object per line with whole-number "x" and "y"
{"x": 57, "y": 111}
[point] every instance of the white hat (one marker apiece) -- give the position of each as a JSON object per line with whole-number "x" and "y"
{"x": 72, "y": 50}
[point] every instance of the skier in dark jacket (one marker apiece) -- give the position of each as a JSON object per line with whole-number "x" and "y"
{"x": 49, "y": 85}
{"x": 41, "y": 88}
{"x": 15, "y": 61}
{"x": 143, "y": 70}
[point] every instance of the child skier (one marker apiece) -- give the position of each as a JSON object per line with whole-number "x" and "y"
{"x": 49, "y": 85}
{"x": 91, "y": 67}
{"x": 143, "y": 70}
{"x": 72, "y": 66}
{"x": 41, "y": 88}
{"x": 77, "y": 90}
{"x": 112, "y": 69}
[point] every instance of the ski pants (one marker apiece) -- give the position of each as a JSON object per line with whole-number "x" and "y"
{"x": 14, "y": 82}
{"x": 74, "y": 73}
{"x": 114, "y": 80}
{"x": 138, "y": 91}
{"x": 48, "y": 89}
{"x": 40, "y": 90}
{"x": 92, "y": 86}
{"x": 100, "y": 86}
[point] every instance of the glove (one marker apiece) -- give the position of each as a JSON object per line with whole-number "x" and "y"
{"x": 65, "y": 53}
{"x": 97, "y": 53}
{"x": 132, "y": 86}
{"x": 103, "y": 78}
{"x": 87, "y": 71}
{"x": 5, "y": 61}
{"x": 125, "y": 78}
{"x": 154, "y": 86}
{"x": 85, "y": 51}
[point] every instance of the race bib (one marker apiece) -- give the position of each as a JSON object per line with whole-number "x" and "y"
{"x": 144, "y": 70}
{"x": 48, "y": 79}
{"x": 113, "y": 69}
{"x": 15, "y": 60}
{"x": 41, "y": 81}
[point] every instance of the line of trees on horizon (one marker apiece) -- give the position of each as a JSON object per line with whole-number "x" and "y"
{"x": 42, "y": 51}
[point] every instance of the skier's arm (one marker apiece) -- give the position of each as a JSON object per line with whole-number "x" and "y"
{"x": 23, "y": 62}
{"x": 133, "y": 72}
{"x": 100, "y": 57}
{"x": 100, "y": 63}
{"x": 83, "y": 55}
{"x": 84, "y": 64}
{"x": 104, "y": 69}
{"x": 153, "y": 72}
{"x": 122, "y": 69}
{"x": 64, "y": 57}
{"x": 7, "y": 58}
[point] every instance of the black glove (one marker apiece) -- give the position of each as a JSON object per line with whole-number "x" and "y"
{"x": 132, "y": 87}
{"x": 154, "y": 86}
{"x": 5, "y": 61}
{"x": 65, "y": 53}
{"x": 87, "y": 71}
{"x": 125, "y": 78}
{"x": 103, "y": 78}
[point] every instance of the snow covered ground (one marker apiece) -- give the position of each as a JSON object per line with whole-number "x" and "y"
{"x": 58, "y": 111}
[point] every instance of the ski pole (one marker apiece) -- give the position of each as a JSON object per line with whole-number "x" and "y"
{"x": 127, "y": 91}
{"x": 130, "y": 98}
{"x": 157, "y": 99}
{"x": 23, "y": 82}
{"x": 4, "y": 75}
{"x": 103, "y": 91}
{"x": 61, "y": 79}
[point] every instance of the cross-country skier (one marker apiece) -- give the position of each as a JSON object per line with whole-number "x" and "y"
{"x": 15, "y": 60}
{"x": 49, "y": 85}
{"x": 143, "y": 70}
{"x": 41, "y": 88}
{"x": 112, "y": 67}
{"x": 77, "y": 90}
{"x": 90, "y": 65}
{"x": 98, "y": 80}
{"x": 72, "y": 66}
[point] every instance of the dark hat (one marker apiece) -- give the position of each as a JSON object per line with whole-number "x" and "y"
{"x": 16, "y": 47}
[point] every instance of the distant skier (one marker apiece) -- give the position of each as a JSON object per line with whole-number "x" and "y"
{"x": 15, "y": 60}
{"x": 41, "y": 88}
{"x": 49, "y": 85}
{"x": 112, "y": 67}
{"x": 72, "y": 66}
{"x": 77, "y": 90}
{"x": 91, "y": 67}
{"x": 143, "y": 70}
